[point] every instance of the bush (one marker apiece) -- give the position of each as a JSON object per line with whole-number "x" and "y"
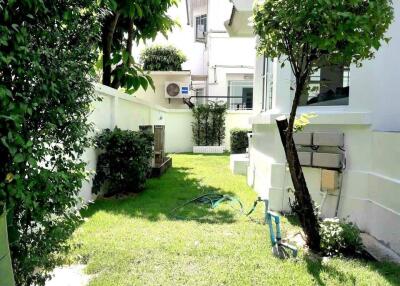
{"x": 340, "y": 237}
{"x": 209, "y": 124}
{"x": 48, "y": 50}
{"x": 124, "y": 162}
{"x": 159, "y": 58}
{"x": 239, "y": 140}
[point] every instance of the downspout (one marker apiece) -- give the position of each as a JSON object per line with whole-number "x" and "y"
{"x": 206, "y": 49}
{"x": 187, "y": 12}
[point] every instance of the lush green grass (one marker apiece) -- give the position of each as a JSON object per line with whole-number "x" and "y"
{"x": 137, "y": 241}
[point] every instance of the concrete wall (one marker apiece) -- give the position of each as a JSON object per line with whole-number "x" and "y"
{"x": 371, "y": 181}
{"x": 129, "y": 112}
{"x": 157, "y": 96}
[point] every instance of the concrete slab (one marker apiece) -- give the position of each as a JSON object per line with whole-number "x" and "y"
{"x": 378, "y": 250}
{"x": 239, "y": 163}
{"x": 72, "y": 275}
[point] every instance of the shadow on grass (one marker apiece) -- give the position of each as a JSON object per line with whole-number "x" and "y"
{"x": 163, "y": 195}
{"x": 316, "y": 268}
{"x": 390, "y": 271}
{"x": 325, "y": 272}
{"x": 293, "y": 219}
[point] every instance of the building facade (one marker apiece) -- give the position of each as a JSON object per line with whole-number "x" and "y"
{"x": 362, "y": 104}
{"x": 224, "y": 70}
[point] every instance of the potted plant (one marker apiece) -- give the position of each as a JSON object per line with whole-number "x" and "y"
{"x": 7, "y": 276}
{"x": 209, "y": 128}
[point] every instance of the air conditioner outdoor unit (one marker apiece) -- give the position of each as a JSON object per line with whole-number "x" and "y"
{"x": 177, "y": 90}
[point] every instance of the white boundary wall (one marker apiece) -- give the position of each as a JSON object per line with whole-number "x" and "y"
{"x": 128, "y": 112}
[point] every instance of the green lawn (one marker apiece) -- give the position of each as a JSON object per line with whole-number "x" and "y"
{"x": 137, "y": 241}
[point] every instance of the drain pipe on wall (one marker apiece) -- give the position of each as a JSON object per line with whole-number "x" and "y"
{"x": 339, "y": 194}
{"x": 341, "y": 173}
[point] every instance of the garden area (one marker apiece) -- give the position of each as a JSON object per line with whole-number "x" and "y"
{"x": 142, "y": 240}
{"x": 143, "y": 230}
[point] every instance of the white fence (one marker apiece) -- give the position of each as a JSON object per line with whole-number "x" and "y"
{"x": 127, "y": 112}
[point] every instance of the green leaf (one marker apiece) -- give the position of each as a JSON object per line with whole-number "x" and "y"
{"x": 18, "y": 158}
{"x": 113, "y": 5}
{"x": 143, "y": 82}
{"x": 139, "y": 10}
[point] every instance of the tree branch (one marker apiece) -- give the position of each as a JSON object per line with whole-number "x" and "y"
{"x": 107, "y": 39}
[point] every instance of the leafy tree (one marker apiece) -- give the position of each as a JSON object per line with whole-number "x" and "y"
{"x": 47, "y": 53}
{"x": 126, "y": 22}
{"x": 308, "y": 34}
{"x": 159, "y": 58}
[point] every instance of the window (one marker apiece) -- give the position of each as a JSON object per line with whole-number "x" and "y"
{"x": 240, "y": 94}
{"x": 329, "y": 86}
{"x": 267, "y": 79}
{"x": 201, "y": 27}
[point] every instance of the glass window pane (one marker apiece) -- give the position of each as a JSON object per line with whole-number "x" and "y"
{"x": 201, "y": 27}
{"x": 240, "y": 95}
{"x": 328, "y": 86}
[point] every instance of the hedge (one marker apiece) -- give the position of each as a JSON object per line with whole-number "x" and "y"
{"x": 239, "y": 140}
{"x": 124, "y": 162}
{"x": 208, "y": 126}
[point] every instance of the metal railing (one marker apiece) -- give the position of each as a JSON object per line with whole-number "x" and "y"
{"x": 231, "y": 106}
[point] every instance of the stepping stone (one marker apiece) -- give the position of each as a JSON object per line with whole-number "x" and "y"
{"x": 72, "y": 275}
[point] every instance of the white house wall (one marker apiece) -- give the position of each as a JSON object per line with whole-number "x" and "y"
{"x": 157, "y": 96}
{"x": 228, "y": 56}
{"x": 213, "y": 57}
{"x": 386, "y": 100}
{"x": 371, "y": 182}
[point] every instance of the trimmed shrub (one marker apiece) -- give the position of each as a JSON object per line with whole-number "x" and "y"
{"x": 160, "y": 58}
{"x": 124, "y": 161}
{"x": 208, "y": 126}
{"x": 239, "y": 140}
{"x": 339, "y": 237}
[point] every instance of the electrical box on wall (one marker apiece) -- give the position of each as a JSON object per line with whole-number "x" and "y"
{"x": 329, "y": 180}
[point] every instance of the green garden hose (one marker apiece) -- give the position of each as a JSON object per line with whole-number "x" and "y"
{"x": 279, "y": 248}
{"x": 211, "y": 199}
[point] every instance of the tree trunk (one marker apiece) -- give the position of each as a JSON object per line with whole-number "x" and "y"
{"x": 116, "y": 83}
{"x": 303, "y": 205}
{"x": 107, "y": 38}
{"x": 129, "y": 40}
